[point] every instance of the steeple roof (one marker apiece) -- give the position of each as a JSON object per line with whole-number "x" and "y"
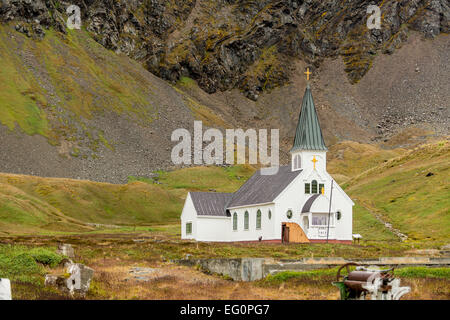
{"x": 308, "y": 135}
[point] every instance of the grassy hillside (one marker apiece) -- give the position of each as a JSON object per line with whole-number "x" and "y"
{"x": 30, "y": 204}
{"x": 410, "y": 191}
{"x": 397, "y": 188}
{"x": 348, "y": 158}
{"x": 48, "y": 205}
{"x": 369, "y": 227}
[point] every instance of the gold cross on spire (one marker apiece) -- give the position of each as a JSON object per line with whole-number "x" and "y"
{"x": 314, "y": 160}
{"x": 308, "y": 73}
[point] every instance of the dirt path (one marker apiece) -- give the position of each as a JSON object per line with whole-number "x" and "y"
{"x": 388, "y": 225}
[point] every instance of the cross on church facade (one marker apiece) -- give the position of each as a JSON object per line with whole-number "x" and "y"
{"x": 308, "y": 73}
{"x": 314, "y": 160}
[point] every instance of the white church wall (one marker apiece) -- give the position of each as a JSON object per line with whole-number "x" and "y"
{"x": 211, "y": 228}
{"x": 188, "y": 214}
{"x": 307, "y": 157}
{"x": 292, "y": 198}
{"x": 321, "y": 207}
{"x": 253, "y": 234}
{"x": 344, "y": 226}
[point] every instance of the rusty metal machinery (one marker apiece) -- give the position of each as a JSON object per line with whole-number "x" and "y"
{"x": 369, "y": 283}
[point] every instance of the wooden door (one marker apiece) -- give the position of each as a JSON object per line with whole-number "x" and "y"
{"x": 285, "y": 233}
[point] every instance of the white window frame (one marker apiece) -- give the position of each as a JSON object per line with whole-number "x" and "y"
{"x": 260, "y": 215}
{"x": 237, "y": 222}
{"x": 326, "y": 217}
{"x": 192, "y": 228}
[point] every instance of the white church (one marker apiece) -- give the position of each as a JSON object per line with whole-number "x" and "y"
{"x": 300, "y": 204}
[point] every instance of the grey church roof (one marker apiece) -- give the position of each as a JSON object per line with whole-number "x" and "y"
{"x": 210, "y": 203}
{"x": 263, "y": 188}
{"x": 308, "y": 135}
{"x": 309, "y": 202}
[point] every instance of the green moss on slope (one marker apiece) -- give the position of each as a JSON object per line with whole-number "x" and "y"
{"x": 51, "y": 87}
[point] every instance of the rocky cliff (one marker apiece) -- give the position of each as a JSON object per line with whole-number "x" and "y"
{"x": 94, "y": 103}
{"x": 250, "y": 45}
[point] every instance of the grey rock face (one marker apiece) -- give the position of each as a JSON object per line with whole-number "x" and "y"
{"x": 80, "y": 278}
{"x": 247, "y": 45}
{"x": 78, "y": 282}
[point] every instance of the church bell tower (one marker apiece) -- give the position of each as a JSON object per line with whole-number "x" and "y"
{"x": 309, "y": 150}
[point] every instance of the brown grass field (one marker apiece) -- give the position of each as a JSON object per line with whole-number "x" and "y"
{"x": 113, "y": 255}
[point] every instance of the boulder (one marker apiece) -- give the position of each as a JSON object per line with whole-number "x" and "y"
{"x": 78, "y": 282}
{"x": 80, "y": 278}
{"x": 66, "y": 250}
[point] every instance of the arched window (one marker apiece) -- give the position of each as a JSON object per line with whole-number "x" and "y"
{"x": 235, "y": 222}
{"x": 314, "y": 187}
{"x": 270, "y": 214}
{"x": 246, "y": 220}
{"x": 297, "y": 162}
{"x": 258, "y": 219}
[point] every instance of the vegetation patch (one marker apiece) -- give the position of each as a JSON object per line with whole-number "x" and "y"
{"x": 24, "y": 264}
{"x": 410, "y": 191}
{"x": 423, "y": 272}
{"x": 407, "y": 272}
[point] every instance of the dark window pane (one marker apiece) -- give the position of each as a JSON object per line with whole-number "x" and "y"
{"x": 314, "y": 187}
{"x": 188, "y": 228}
{"x": 246, "y": 218}
{"x": 258, "y": 220}
{"x": 307, "y": 188}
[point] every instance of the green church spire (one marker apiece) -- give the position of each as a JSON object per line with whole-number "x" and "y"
{"x": 308, "y": 135}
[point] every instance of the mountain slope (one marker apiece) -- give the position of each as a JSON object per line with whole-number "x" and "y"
{"x": 68, "y": 106}
{"x": 72, "y": 108}
{"x": 410, "y": 191}
{"x": 243, "y": 44}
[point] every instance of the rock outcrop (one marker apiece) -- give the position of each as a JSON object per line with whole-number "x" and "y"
{"x": 77, "y": 281}
{"x": 248, "y": 45}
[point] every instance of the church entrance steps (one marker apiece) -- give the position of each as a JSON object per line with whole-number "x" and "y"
{"x": 293, "y": 233}
{"x": 252, "y": 269}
